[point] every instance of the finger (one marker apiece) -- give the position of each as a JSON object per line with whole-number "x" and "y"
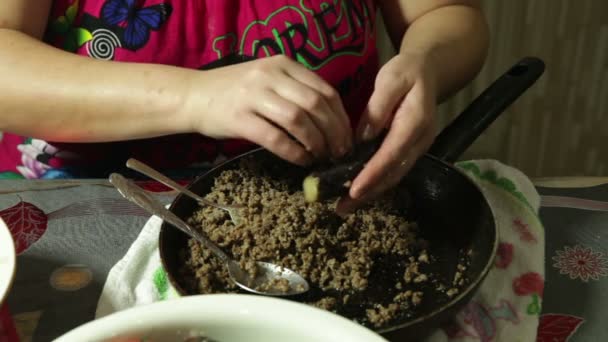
{"x": 409, "y": 124}
{"x": 347, "y": 204}
{"x": 319, "y": 112}
{"x": 389, "y": 91}
{"x": 391, "y": 153}
{"x": 314, "y": 81}
{"x": 335, "y": 101}
{"x": 293, "y": 119}
{"x": 260, "y": 131}
{"x": 397, "y": 172}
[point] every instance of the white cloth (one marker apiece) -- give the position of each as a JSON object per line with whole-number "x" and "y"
{"x": 506, "y": 307}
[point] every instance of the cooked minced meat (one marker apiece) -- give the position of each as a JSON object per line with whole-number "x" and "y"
{"x": 276, "y": 284}
{"x": 368, "y": 265}
{"x": 380, "y": 314}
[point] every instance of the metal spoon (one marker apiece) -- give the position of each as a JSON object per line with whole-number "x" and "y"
{"x": 233, "y": 210}
{"x": 267, "y": 272}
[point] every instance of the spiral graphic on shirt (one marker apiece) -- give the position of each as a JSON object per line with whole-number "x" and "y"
{"x": 103, "y": 45}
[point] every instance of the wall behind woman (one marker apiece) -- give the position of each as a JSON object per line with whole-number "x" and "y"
{"x": 559, "y": 127}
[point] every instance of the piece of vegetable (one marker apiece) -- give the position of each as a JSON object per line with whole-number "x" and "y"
{"x": 334, "y": 179}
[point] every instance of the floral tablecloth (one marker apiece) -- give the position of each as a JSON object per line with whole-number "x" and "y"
{"x": 70, "y": 233}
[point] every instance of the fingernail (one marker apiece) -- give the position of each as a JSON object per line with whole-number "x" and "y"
{"x": 357, "y": 192}
{"x": 367, "y": 132}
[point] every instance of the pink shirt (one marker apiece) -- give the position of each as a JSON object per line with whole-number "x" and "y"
{"x": 336, "y": 41}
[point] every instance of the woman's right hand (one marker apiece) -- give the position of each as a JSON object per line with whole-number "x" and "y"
{"x": 268, "y": 100}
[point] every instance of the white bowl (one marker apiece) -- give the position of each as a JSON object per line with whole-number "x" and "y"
{"x": 224, "y": 318}
{"x": 7, "y": 260}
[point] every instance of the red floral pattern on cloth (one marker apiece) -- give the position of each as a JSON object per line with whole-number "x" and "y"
{"x": 557, "y": 327}
{"x": 523, "y": 230}
{"x": 581, "y": 262}
{"x": 504, "y": 255}
{"x": 481, "y": 321}
{"x": 26, "y": 222}
{"x": 528, "y": 284}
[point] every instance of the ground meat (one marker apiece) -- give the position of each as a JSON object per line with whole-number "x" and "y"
{"x": 367, "y": 266}
{"x": 282, "y": 285}
{"x": 327, "y": 303}
{"x": 381, "y": 314}
{"x": 417, "y": 297}
{"x": 452, "y": 292}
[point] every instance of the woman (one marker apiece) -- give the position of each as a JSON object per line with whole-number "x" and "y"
{"x": 174, "y": 82}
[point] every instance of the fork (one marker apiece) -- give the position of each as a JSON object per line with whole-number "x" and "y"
{"x": 233, "y": 210}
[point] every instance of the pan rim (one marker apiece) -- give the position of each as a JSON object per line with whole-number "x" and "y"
{"x": 470, "y": 289}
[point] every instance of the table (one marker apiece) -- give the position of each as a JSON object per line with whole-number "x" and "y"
{"x": 70, "y": 233}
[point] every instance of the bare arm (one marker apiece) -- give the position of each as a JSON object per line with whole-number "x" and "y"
{"x": 56, "y": 95}
{"x": 442, "y": 45}
{"x": 452, "y": 33}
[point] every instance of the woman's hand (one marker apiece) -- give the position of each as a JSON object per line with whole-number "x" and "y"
{"x": 271, "y": 102}
{"x": 404, "y": 103}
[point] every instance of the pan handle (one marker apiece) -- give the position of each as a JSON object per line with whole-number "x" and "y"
{"x": 468, "y": 126}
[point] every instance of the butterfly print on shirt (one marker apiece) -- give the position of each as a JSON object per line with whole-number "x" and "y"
{"x": 123, "y": 24}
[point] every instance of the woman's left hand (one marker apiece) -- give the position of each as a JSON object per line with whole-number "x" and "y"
{"x": 404, "y": 102}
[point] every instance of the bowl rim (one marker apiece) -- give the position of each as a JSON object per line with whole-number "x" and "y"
{"x": 224, "y": 304}
{"x": 8, "y": 260}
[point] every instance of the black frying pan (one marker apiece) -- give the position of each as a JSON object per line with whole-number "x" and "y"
{"x": 451, "y": 210}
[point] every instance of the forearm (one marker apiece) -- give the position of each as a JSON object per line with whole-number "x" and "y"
{"x": 455, "y": 41}
{"x": 55, "y": 95}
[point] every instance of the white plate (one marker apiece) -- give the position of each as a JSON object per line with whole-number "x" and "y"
{"x": 7, "y": 260}
{"x": 225, "y": 318}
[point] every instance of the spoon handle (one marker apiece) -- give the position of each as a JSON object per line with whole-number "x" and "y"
{"x": 136, "y": 165}
{"x": 137, "y": 195}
